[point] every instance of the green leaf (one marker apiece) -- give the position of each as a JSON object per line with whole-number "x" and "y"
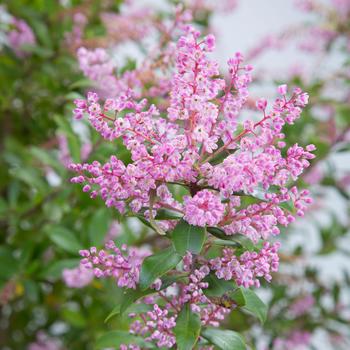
{"x": 73, "y": 95}
{"x": 32, "y": 290}
{"x": 54, "y": 270}
{"x": 217, "y": 287}
{"x": 98, "y": 226}
{"x": 238, "y": 297}
{"x": 128, "y": 66}
{"x": 143, "y": 220}
{"x": 45, "y": 157}
{"x": 42, "y": 32}
{"x": 223, "y": 242}
{"x": 246, "y": 243}
{"x": 164, "y": 214}
{"x": 65, "y": 239}
{"x": 237, "y": 240}
{"x": 74, "y": 317}
{"x": 157, "y": 265}
{"x": 288, "y": 206}
{"x": 38, "y": 50}
{"x": 224, "y": 339}
{"x": 187, "y": 329}
{"x": 167, "y": 281}
{"x": 254, "y": 305}
{"x": 131, "y": 295}
{"x": 114, "y": 312}
{"x": 114, "y": 339}
{"x": 82, "y": 83}
{"x": 8, "y": 264}
{"x": 217, "y": 232}
{"x": 186, "y": 237}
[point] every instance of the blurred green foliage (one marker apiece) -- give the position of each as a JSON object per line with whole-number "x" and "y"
{"x": 44, "y": 225}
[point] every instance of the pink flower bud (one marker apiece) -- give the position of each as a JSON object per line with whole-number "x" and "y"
{"x": 210, "y": 42}
{"x": 261, "y": 104}
{"x": 282, "y": 89}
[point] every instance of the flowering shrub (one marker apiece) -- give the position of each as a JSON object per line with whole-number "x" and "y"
{"x": 196, "y": 144}
{"x": 49, "y": 297}
{"x": 41, "y": 232}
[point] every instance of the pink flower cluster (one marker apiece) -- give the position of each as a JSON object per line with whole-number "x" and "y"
{"x": 74, "y": 39}
{"x": 129, "y": 347}
{"x": 247, "y": 268}
{"x": 157, "y": 325}
{"x": 260, "y": 221}
{"x": 121, "y": 264}
{"x": 78, "y": 277}
{"x": 193, "y": 292}
{"x": 314, "y": 36}
{"x": 21, "y": 34}
{"x": 180, "y": 148}
{"x": 302, "y": 306}
{"x": 298, "y": 339}
{"x": 204, "y": 208}
{"x": 130, "y": 24}
{"x": 160, "y": 327}
{"x": 342, "y": 7}
{"x": 45, "y": 342}
{"x": 133, "y": 24}
{"x": 97, "y": 65}
{"x": 209, "y": 5}
{"x": 194, "y": 141}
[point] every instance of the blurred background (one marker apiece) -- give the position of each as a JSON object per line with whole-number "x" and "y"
{"x": 45, "y": 220}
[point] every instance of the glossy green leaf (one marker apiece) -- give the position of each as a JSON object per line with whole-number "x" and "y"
{"x": 254, "y": 304}
{"x": 217, "y": 287}
{"x": 114, "y": 339}
{"x": 224, "y": 339}
{"x": 186, "y": 237}
{"x": 187, "y": 329}
{"x": 157, "y": 265}
{"x": 65, "y": 239}
{"x": 227, "y": 243}
{"x": 164, "y": 214}
{"x": 238, "y": 297}
{"x": 98, "y": 227}
{"x": 131, "y": 295}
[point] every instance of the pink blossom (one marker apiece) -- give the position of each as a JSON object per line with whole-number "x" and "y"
{"x": 20, "y": 35}
{"x": 205, "y": 208}
{"x": 45, "y": 342}
{"x": 121, "y": 264}
{"x": 129, "y": 347}
{"x": 160, "y": 327}
{"x": 342, "y": 7}
{"x": 78, "y": 277}
{"x": 193, "y": 139}
{"x": 282, "y": 89}
{"x": 246, "y": 269}
{"x": 302, "y": 306}
{"x": 298, "y": 340}
{"x": 209, "y": 5}
{"x": 74, "y": 39}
